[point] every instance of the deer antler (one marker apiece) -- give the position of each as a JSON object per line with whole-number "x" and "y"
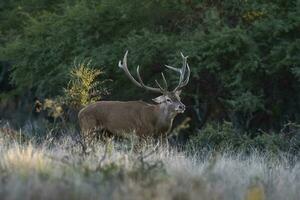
{"x": 182, "y": 71}
{"x": 182, "y": 80}
{"x": 140, "y": 83}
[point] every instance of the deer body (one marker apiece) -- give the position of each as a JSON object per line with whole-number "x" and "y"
{"x": 141, "y": 118}
{"x": 119, "y": 118}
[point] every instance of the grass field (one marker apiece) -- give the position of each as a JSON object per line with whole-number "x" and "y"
{"x": 57, "y": 169}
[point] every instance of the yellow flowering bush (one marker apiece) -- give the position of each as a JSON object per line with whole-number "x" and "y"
{"x": 84, "y": 88}
{"x": 53, "y": 107}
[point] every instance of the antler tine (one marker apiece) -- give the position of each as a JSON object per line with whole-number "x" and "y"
{"x": 139, "y": 84}
{"x": 184, "y": 64}
{"x": 124, "y": 67}
{"x": 177, "y": 70}
{"x": 139, "y": 76}
{"x": 185, "y": 82}
{"x": 165, "y": 81}
{"x": 173, "y": 68}
{"x": 182, "y": 72}
{"x": 160, "y": 87}
{"x": 160, "y": 90}
{"x": 165, "y": 89}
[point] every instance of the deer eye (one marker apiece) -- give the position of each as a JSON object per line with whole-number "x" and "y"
{"x": 169, "y": 100}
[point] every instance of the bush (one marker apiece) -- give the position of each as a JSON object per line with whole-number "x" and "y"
{"x": 221, "y": 137}
{"x": 84, "y": 88}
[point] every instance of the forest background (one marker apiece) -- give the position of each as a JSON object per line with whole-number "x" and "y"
{"x": 244, "y": 56}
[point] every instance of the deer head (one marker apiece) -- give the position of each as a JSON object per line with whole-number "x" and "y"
{"x": 169, "y": 100}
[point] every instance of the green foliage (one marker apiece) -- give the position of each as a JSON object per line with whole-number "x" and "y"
{"x": 222, "y": 137}
{"x": 244, "y": 55}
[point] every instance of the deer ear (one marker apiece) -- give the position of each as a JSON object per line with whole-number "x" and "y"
{"x": 159, "y": 99}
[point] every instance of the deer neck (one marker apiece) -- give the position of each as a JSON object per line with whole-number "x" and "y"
{"x": 164, "y": 118}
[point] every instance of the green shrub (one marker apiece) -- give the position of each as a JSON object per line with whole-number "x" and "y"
{"x": 223, "y": 136}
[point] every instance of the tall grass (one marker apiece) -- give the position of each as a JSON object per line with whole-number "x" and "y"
{"x": 57, "y": 169}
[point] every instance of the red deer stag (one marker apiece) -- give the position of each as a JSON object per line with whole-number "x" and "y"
{"x": 138, "y": 117}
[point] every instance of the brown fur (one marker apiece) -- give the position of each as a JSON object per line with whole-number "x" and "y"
{"x": 125, "y": 118}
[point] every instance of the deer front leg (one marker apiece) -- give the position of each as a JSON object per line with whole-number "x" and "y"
{"x": 87, "y": 138}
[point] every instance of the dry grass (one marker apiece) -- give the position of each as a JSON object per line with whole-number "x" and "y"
{"x": 59, "y": 170}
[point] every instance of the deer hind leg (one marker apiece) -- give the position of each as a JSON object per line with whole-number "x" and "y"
{"x": 95, "y": 135}
{"x": 89, "y": 131}
{"x": 87, "y": 137}
{"x": 109, "y": 136}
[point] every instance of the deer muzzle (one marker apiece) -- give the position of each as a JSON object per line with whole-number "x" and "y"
{"x": 180, "y": 108}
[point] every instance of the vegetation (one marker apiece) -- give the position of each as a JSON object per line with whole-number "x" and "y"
{"x": 58, "y": 169}
{"x": 244, "y": 55}
{"x": 223, "y": 137}
{"x": 238, "y": 139}
{"x": 84, "y": 88}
